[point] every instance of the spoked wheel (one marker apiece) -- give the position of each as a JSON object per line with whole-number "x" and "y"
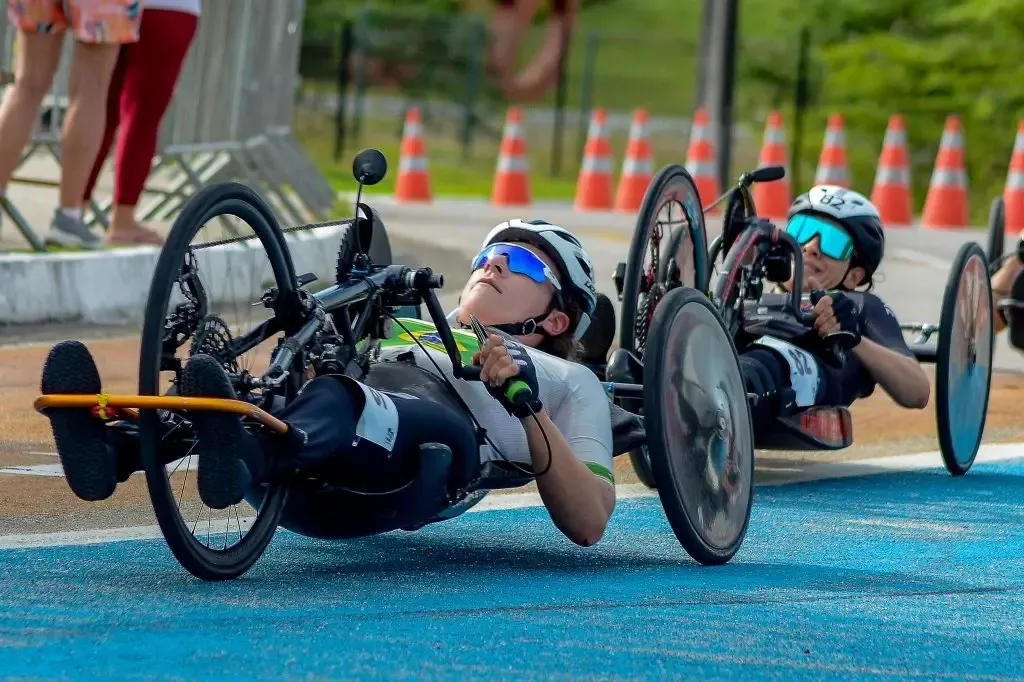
{"x": 668, "y": 250}
{"x": 963, "y": 368}
{"x": 700, "y": 437}
{"x": 203, "y": 298}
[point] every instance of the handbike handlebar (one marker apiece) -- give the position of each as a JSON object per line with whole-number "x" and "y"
{"x": 391, "y": 280}
{"x": 758, "y": 232}
{"x": 763, "y": 174}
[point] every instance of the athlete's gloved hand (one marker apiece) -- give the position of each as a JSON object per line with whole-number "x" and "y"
{"x": 509, "y": 375}
{"x": 836, "y": 317}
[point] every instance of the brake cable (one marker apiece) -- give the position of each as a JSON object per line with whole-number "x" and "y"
{"x": 472, "y": 416}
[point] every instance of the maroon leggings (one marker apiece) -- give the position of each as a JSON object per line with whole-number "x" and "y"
{"x": 140, "y": 92}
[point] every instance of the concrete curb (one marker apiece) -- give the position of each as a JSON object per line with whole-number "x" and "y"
{"x": 111, "y": 287}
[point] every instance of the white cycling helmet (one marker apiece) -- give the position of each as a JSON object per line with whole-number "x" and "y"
{"x": 855, "y": 212}
{"x": 565, "y": 250}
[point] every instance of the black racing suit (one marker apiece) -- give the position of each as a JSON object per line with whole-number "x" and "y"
{"x": 767, "y": 372}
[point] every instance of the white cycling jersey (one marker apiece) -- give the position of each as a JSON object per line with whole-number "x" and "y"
{"x": 571, "y": 394}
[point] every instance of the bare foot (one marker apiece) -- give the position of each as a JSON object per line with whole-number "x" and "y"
{"x": 134, "y": 235}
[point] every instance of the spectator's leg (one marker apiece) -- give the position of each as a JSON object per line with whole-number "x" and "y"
{"x": 38, "y": 58}
{"x": 113, "y": 119}
{"x": 100, "y": 30}
{"x": 150, "y": 78}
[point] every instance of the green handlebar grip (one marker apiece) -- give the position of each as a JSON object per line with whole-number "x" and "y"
{"x": 518, "y": 389}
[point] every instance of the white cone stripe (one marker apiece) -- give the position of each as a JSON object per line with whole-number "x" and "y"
{"x": 636, "y": 167}
{"x": 638, "y": 131}
{"x": 514, "y": 131}
{"x": 775, "y": 137}
{"x": 1018, "y": 144}
{"x": 952, "y": 139}
{"x": 413, "y": 129}
{"x": 596, "y": 130}
{"x": 416, "y": 163}
{"x": 829, "y": 174}
{"x": 508, "y": 164}
{"x": 700, "y": 134}
{"x": 888, "y": 175}
{"x": 1015, "y": 180}
{"x": 701, "y": 168}
{"x": 895, "y": 138}
{"x": 835, "y": 138}
{"x": 597, "y": 165}
{"x": 949, "y": 178}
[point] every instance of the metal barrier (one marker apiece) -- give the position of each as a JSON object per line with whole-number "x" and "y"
{"x": 230, "y": 117}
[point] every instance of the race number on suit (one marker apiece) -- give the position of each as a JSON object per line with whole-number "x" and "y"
{"x": 379, "y": 421}
{"x": 803, "y": 369}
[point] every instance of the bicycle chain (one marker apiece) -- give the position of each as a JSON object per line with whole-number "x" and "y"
{"x": 286, "y": 230}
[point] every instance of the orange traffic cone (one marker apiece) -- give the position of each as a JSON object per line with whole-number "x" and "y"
{"x": 946, "y": 203}
{"x": 594, "y": 186}
{"x": 1013, "y": 195}
{"x": 832, "y": 168}
{"x": 637, "y": 168}
{"x": 512, "y": 180}
{"x": 413, "y": 184}
{"x": 891, "y": 192}
{"x": 772, "y": 199}
{"x": 700, "y": 160}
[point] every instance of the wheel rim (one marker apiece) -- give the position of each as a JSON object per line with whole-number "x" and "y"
{"x": 707, "y": 432}
{"x": 176, "y": 503}
{"x": 968, "y": 367}
{"x": 674, "y": 222}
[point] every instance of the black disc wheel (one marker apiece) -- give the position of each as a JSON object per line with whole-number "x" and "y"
{"x": 699, "y": 433}
{"x": 963, "y": 368}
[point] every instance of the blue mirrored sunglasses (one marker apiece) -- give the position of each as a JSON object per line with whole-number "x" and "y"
{"x": 835, "y": 242}
{"x": 521, "y": 261}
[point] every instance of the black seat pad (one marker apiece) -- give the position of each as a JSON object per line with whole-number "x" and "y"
{"x": 628, "y": 432}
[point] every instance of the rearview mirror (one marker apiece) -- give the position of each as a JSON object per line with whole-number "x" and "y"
{"x": 369, "y": 167}
{"x": 768, "y": 174}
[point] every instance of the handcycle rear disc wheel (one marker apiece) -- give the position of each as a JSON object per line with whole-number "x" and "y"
{"x": 963, "y": 368}
{"x": 699, "y": 433}
{"x": 670, "y": 231}
{"x": 224, "y": 199}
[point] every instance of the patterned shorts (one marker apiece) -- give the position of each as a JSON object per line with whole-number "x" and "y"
{"x": 92, "y": 21}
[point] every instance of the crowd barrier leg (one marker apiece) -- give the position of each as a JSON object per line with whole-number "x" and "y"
{"x": 230, "y": 118}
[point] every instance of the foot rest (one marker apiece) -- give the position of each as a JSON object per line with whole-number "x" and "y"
{"x": 115, "y": 403}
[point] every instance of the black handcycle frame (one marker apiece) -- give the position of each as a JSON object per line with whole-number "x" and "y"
{"x": 818, "y": 428}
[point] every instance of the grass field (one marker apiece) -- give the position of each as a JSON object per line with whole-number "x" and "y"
{"x": 646, "y": 56}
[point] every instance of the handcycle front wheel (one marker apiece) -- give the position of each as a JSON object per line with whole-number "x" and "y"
{"x": 699, "y": 432}
{"x": 963, "y": 368}
{"x": 668, "y": 250}
{"x": 173, "y": 288}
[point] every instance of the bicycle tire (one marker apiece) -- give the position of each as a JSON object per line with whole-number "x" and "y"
{"x": 228, "y": 198}
{"x": 671, "y": 178}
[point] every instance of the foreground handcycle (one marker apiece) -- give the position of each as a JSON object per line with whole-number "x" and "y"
{"x": 335, "y": 330}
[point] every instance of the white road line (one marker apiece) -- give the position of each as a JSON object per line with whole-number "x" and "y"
{"x": 920, "y": 258}
{"x": 999, "y": 452}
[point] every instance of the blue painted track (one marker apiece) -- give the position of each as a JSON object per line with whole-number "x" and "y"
{"x": 885, "y": 577}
